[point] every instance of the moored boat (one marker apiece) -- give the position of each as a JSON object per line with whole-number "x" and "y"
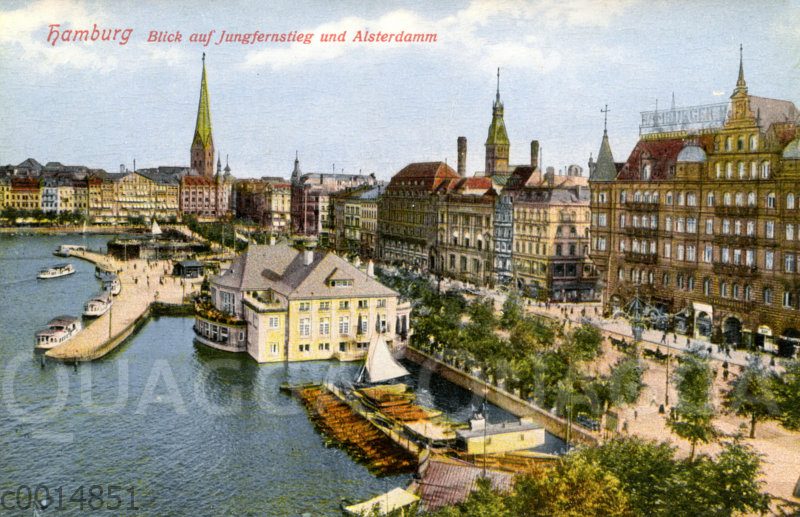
{"x": 112, "y": 285}
{"x": 66, "y": 249}
{"x": 56, "y": 271}
{"x": 59, "y": 330}
{"x": 98, "y": 305}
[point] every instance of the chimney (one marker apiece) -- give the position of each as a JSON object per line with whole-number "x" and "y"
{"x": 549, "y": 176}
{"x": 462, "y": 156}
{"x": 534, "y": 153}
{"x": 371, "y": 269}
{"x": 308, "y": 257}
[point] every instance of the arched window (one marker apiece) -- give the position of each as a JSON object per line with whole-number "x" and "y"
{"x": 719, "y": 170}
{"x": 742, "y": 171}
{"x": 723, "y": 289}
{"x": 621, "y": 274}
{"x": 767, "y": 295}
{"x": 655, "y": 197}
{"x": 729, "y": 143}
{"x": 771, "y": 200}
{"x": 637, "y": 197}
{"x": 679, "y": 281}
{"x": 726, "y": 199}
{"x": 668, "y": 223}
{"x": 751, "y": 199}
{"x": 707, "y": 286}
{"x": 665, "y": 279}
{"x": 680, "y": 198}
{"x": 753, "y": 170}
{"x": 710, "y": 199}
{"x": 790, "y": 201}
{"x": 751, "y": 228}
{"x": 740, "y": 143}
{"x": 753, "y": 142}
{"x": 735, "y": 291}
{"x": 650, "y": 277}
{"x": 647, "y": 171}
{"x": 748, "y": 293}
{"x": 740, "y": 199}
{"x": 765, "y": 170}
{"x": 691, "y": 199}
{"x": 728, "y": 170}
{"x": 668, "y": 200}
{"x": 623, "y": 196}
{"x": 690, "y": 284}
{"x": 789, "y": 232}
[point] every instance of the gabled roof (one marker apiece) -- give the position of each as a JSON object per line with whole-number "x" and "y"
{"x": 661, "y": 153}
{"x": 282, "y": 269}
{"x": 422, "y": 175}
{"x": 771, "y": 111}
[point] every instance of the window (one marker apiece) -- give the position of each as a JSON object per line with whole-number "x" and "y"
{"x": 324, "y": 306}
{"x": 681, "y": 252}
{"x": 735, "y": 291}
{"x": 691, "y": 225}
{"x": 769, "y": 229}
{"x": 751, "y": 228}
{"x": 753, "y": 142}
{"x": 667, "y": 250}
{"x": 273, "y": 322}
{"x": 344, "y": 325}
{"x": 708, "y": 253}
{"x": 601, "y": 220}
{"x": 787, "y": 299}
{"x": 789, "y": 232}
{"x": 788, "y": 263}
{"x": 668, "y": 198}
{"x": 726, "y": 199}
{"x": 304, "y": 347}
{"x": 723, "y": 289}
{"x": 710, "y": 199}
{"x": 226, "y": 301}
{"x": 324, "y": 326}
{"x": 707, "y": 286}
{"x": 709, "y": 226}
{"x": 728, "y": 170}
{"x": 737, "y": 227}
{"x": 725, "y": 254}
{"x": 305, "y": 306}
{"x": 324, "y": 346}
{"x": 769, "y": 259}
{"x": 750, "y": 257}
{"x": 751, "y": 199}
{"x": 729, "y": 143}
{"x": 691, "y": 199}
{"x": 622, "y": 220}
{"x": 767, "y": 294}
{"x": 273, "y": 348}
{"x": 790, "y": 201}
{"x": 748, "y": 293}
{"x": 647, "y": 171}
{"x": 665, "y": 279}
{"x": 771, "y": 200}
{"x": 363, "y": 304}
{"x": 765, "y": 170}
{"x": 381, "y": 303}
{"x": 691, "y": 253}
{"x": 753, "y": 170}
{"x": 719, "y": 170}
{"x": 305, "y": 327}
{"x": 668, "y": 223}
{"x": 344, "y": 305}
{"x": 623, "y": 196}
{"x": 742, "y": 171}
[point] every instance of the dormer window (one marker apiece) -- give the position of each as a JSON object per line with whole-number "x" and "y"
{"x": 341, "y": 283}
{"x": 647, "y": 171}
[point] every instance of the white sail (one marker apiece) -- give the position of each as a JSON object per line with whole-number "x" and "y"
{"x": 380, "y": 364}
{"x": 156, "y": 230}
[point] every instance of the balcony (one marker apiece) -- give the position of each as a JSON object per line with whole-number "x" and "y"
{"x": 736, "y": 240}
{"x": 633, "y": 231}
{"x": 641, "y": 258}
{"x": 641, "y": 206}
{"x": 722, "y": 268}
{"x": 736, "y": 211}
{"x": 208, "y": 312}
{"x": 740, "y": 306}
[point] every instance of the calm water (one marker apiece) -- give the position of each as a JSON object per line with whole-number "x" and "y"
{"x": 192, "y": 431}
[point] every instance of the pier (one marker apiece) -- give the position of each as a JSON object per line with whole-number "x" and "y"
{"x": 145, "y": 286}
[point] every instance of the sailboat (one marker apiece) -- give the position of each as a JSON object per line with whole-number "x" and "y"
{"x": 155, "y": 229}
{"x": 380, "y": 366}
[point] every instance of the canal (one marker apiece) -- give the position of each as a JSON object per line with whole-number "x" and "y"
{"x": 191, "y": 431}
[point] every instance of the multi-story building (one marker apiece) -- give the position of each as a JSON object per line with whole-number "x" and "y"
{"x": 266, "y": 202}
{"x": 702, "y": 222}
{"x": 408, "y": 214}
{"x": 25, "y": 193}
{"x": 278, "y": 303}
{"x": 356, "y": 220}
{"x": 312, "y": 211}
{"x": 551, "y": 237}
{"x": 465, "y": 217}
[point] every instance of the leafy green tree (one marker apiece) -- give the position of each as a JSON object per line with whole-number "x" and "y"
{"x": 787, "y": 388}
{"x": 693, "y": 380}
{"x": 575, "y": 487}
{"x": 530, "y": 335}
{"x": 752, "y": 393}
{"x": 481, "y": 315}
{"x": 512, "y": 312}
{"x": 644, "y": 468}
{"x": 10, "y": 214}
{"x": 582, "y": 344}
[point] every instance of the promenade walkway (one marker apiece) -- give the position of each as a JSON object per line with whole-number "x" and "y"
{"x": 143, "y": 282}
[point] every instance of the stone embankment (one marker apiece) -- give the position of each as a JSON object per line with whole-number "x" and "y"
{"x": 143, "y": 283}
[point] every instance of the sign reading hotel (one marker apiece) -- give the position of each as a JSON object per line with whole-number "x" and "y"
{"x": 692, "y": 118}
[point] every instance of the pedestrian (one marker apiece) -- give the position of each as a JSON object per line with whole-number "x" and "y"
{"x": 674, "y": 338}
{"x": 664, "y": 338}
{"x": 635, "y": 414}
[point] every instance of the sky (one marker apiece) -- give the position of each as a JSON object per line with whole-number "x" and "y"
{"x": 374, "y": 107}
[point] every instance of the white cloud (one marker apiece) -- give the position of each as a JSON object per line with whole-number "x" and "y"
{"x": 470, "y": 34}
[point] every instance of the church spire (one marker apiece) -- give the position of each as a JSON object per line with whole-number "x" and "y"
{"x": 202, "y": 149}
{"x": 497, "y": 97}
{"x": 604, "y": 168}
{"x": 740, "y": 82}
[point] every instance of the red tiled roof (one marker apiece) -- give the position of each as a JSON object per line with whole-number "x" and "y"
{"x": 423, "y": 175}
{"x": 449, "y": 483}
{"x": 663, "y": 154}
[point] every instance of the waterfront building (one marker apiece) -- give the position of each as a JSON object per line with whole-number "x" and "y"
{"x": 266, "y": 202}
{"x": 702, "y": 220}
{"x": 356, "y": 220}
{"x": 465, "y": 217}
{"x": 25, "y": 193}
{"x": 278, "y": 303}
{"x": 551, "y": 224}
{"x": 408, "y": 214}
{"x": 311, "y": 208}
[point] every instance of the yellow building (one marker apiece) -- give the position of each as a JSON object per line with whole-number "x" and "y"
{"x": 485, "y": 438}
{"x": 280, "y": 304}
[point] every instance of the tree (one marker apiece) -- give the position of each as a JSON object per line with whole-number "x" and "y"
{"x": 752, "y": 393}
{"x": 622, "y": 386}
{"x": 575, "y": 487}
{"x": 693, "y": 380}
{"x": 643, "y": 467}
{"x": 481, "y": 315}
{"x": 583, "y": 344}
{"x": 512, "y": 312}
{"x": 530, "y": 335}
{"x": 787, "y": 388}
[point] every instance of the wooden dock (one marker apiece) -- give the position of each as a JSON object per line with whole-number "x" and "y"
{"x": 143, "y": 283}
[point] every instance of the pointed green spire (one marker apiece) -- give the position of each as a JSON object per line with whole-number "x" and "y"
{"x": 497, "y": 129}
{"x": 604, "y": 168}
{"x": 202, "y": 129}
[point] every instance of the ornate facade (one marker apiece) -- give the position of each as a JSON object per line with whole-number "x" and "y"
{"x": 704, "y": 224}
